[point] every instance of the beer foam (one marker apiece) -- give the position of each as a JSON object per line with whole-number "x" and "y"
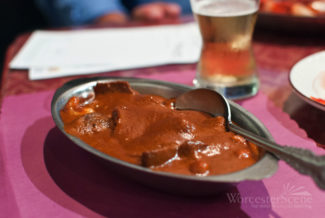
{"x": 225, "y": 8}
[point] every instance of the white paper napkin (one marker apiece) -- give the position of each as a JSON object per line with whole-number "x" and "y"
{"x": 49, "y": 54}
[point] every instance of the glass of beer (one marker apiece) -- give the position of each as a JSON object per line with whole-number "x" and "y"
{"x": 227, "y": 62}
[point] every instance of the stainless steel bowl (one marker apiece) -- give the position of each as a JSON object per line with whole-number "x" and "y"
{"x": 176, "y": 183}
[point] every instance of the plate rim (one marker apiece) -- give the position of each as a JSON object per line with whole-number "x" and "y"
{"x": 295, "y": 88}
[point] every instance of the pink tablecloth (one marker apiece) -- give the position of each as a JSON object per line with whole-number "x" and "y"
{"x": 42, "y": 174}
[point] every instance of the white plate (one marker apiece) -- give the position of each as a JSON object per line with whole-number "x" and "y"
{"x": 307, "y": 77}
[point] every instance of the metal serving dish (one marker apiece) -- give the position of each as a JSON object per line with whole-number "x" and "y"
{"x": 176, "y": 183}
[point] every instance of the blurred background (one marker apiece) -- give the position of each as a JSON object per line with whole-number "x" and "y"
{"x": 22, "y": 16}
{"x": 17, "y": 17}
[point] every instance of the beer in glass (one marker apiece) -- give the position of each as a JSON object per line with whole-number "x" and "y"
{"x": 227, "y": 63}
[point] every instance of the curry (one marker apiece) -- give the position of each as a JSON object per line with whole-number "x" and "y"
{"x": 147, "y": 130}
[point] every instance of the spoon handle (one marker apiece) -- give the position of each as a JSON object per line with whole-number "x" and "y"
{"x": 304, "y": 161}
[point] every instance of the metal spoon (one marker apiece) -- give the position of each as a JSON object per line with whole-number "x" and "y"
{"x": 303, "y": 160}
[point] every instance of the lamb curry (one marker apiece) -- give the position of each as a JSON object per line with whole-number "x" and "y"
{"x": 147, "y": 130}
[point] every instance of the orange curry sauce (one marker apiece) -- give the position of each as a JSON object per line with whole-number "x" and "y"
{"x": 146, "y": 130}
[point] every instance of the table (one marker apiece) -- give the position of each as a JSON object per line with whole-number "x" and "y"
{"x": 39, "y": 179}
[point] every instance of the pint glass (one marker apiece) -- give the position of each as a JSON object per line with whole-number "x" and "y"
{"x": 227, "y": 62}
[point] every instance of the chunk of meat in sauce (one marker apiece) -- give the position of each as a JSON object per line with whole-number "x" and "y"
{"x": 191, "y": 149}
{"x": 117, "y": 87}
{"x": 151, "y": 129}
{"x": 158, "y": 157}
{"x": 90, "y": 124}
